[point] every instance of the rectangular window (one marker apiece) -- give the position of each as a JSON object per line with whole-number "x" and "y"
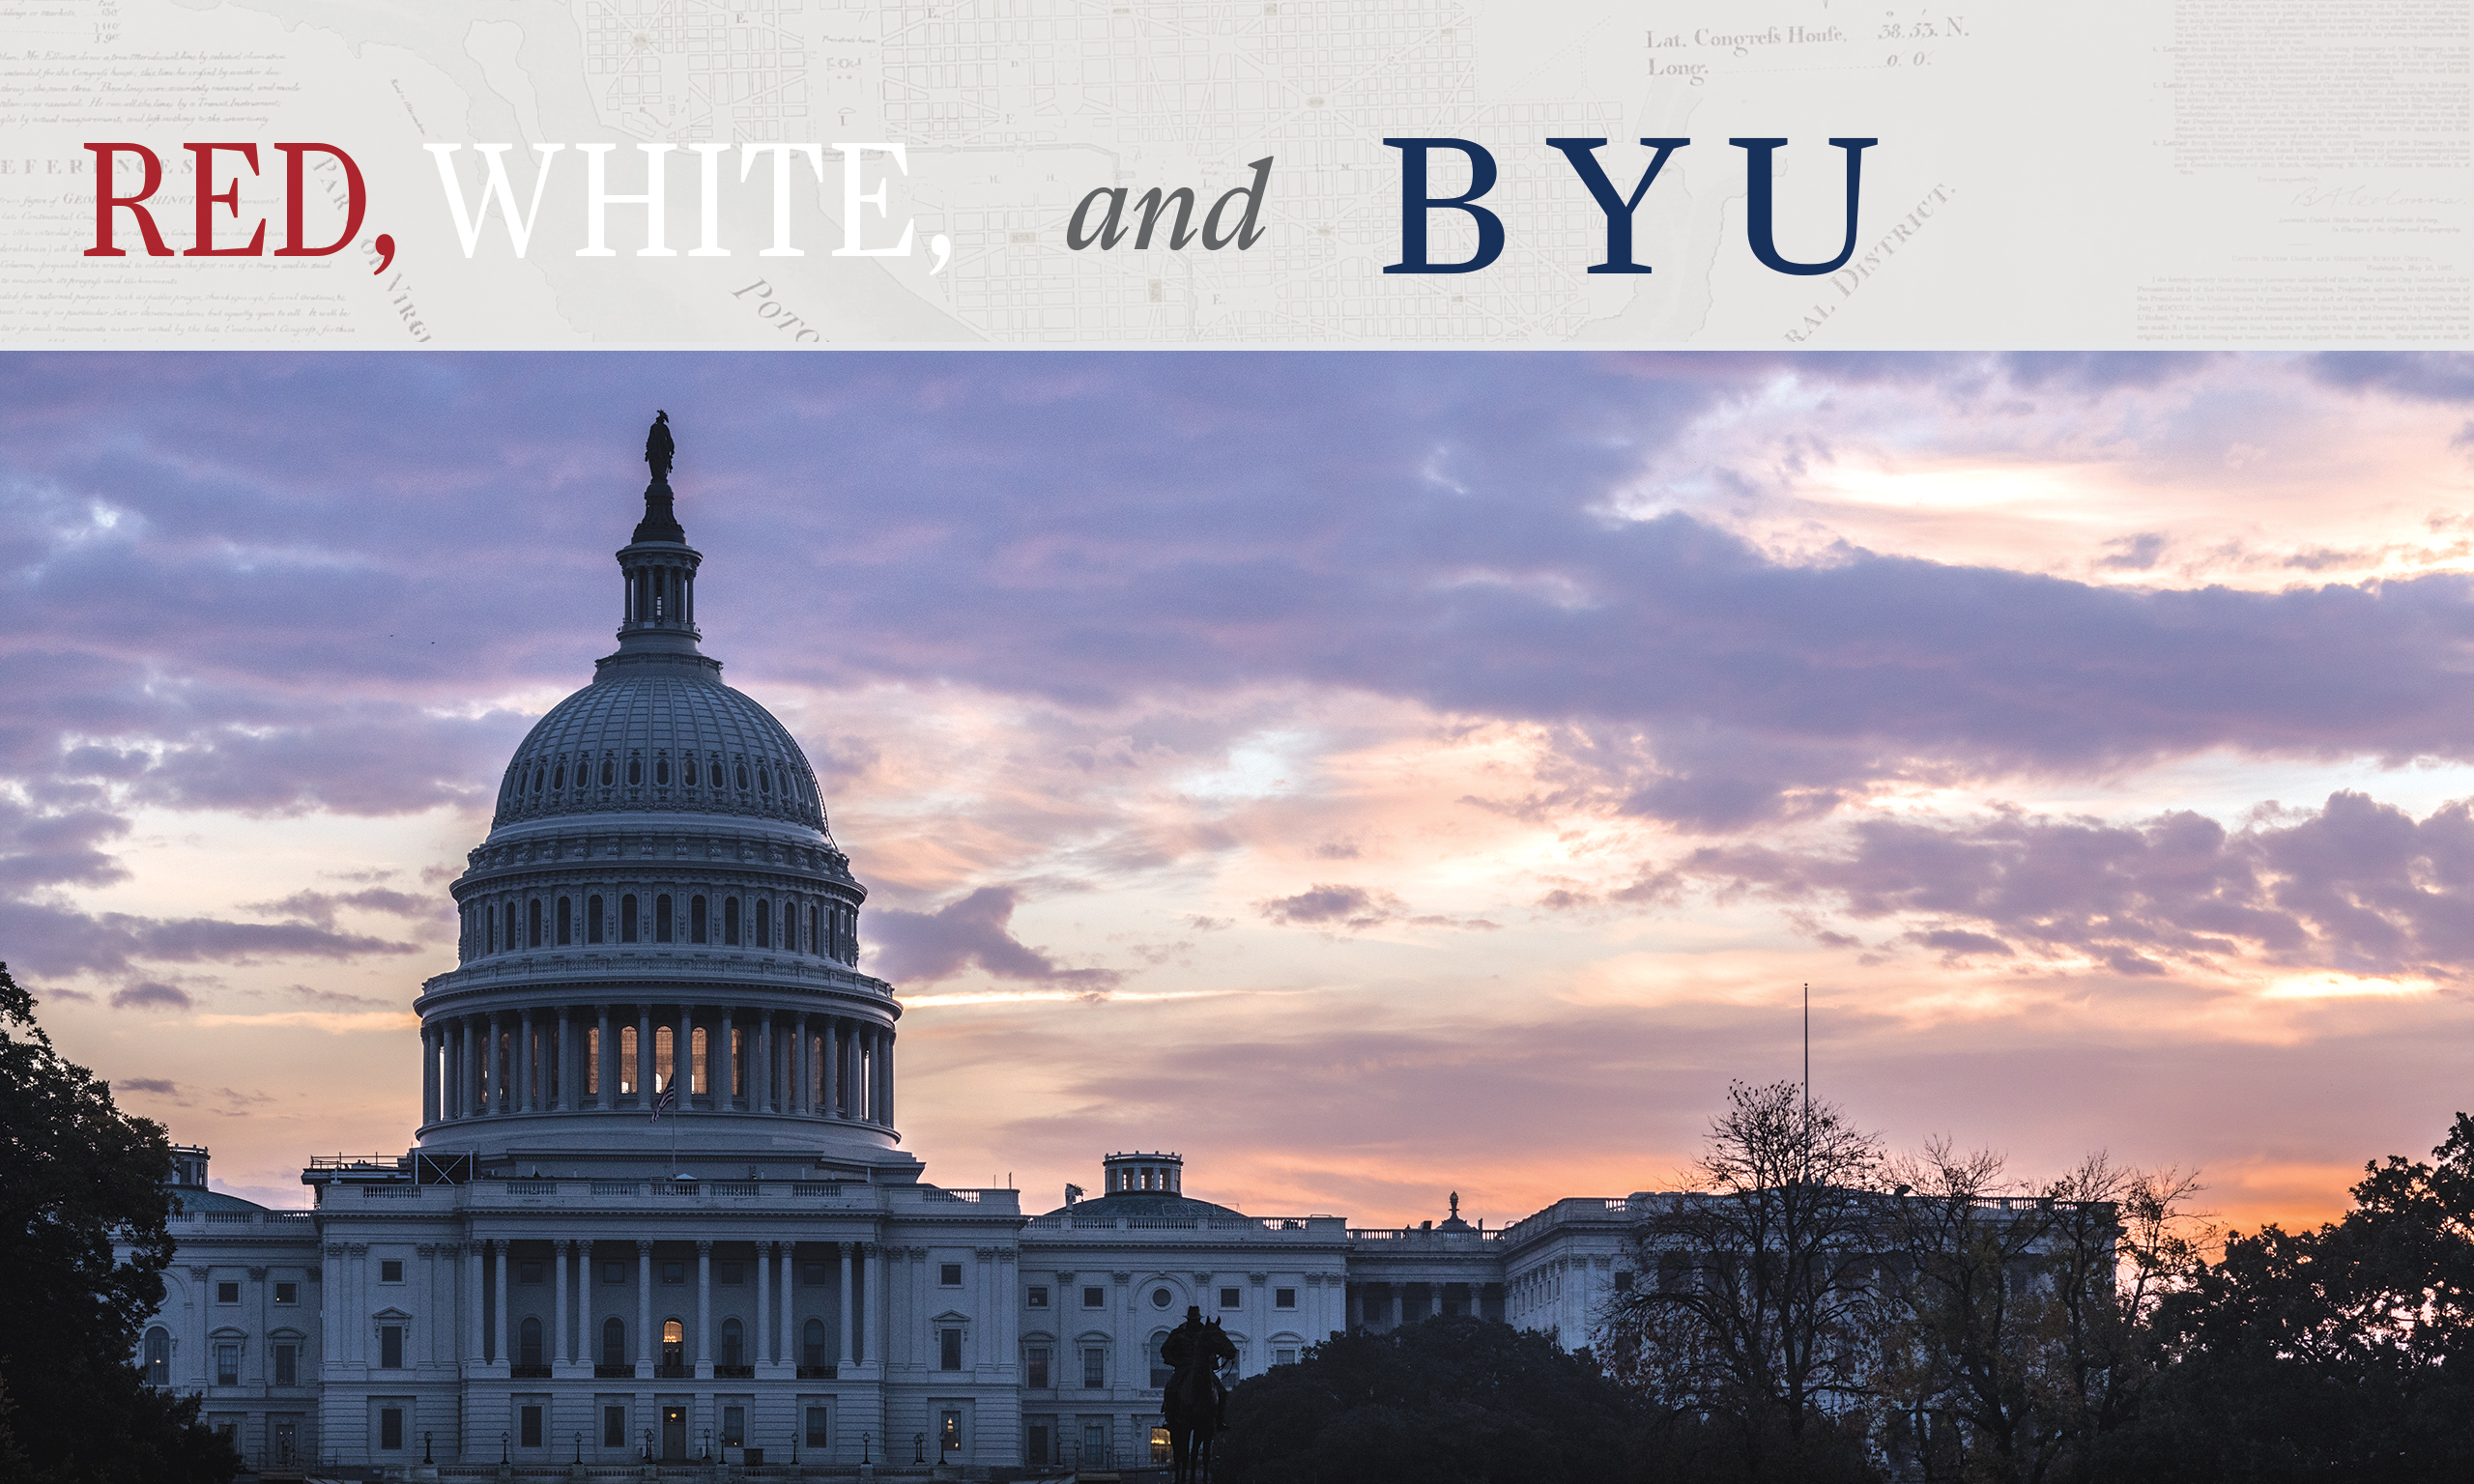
{"x": 695, "y": 925}
{"x": 1039, "y": 1297}
{"x": 1284, "y": 1298}
{"x": 1095, "y": 1298}
{"x": 1035, "y": 1367}
{"x": 227, "y": 1293}
{"x": 566, "y": 920}
{"x": 227, "y": 1365}
{"x": 614, "y": 1272}
{"x": 614, "y": 1427}
{"x": 287, "y": 1293}
{"x": 528, "y": 1432}
{"x": 949, "y": 1350}
{"x": 949, "y": 1432}
{"x": 673, "y": 1273}
{"x": 662, "y": 919}
{"x": 1232, "y": 1299}
{"x": 390, "y": 1428}
{"x": 593, "y": 920}
{"x": 949, "y": 1274}
{"x": 819, "y": 1428}
{"x": 1283, "y": 1356}
{"x": 627, "y": 918}
{"x": 285, "y": 1366}
{"x": 390, "y": 1347}
{"x": 528, "y": 1270}
{"x": 734, "y": 1427}
{"x": 1039, "y": 1444}
{"x": 729, "y": 1272}
{"x": 391, "y": 1271}
{"x": 1095, "y": 1368}
{"x": 1095, "y": 1442}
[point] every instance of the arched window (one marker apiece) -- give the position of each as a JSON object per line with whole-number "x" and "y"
{"x": 627, "y": 918}
{"x": 609, "y": 773}
{"x": 742, "y": 778}
{"x": 558, "y": 778}
{"x": 764, "y": 780}
{"x": 661, "y": 773}
{"x": 661, "y": 918}
{"x": 613, "y": 1342}
{"x": 529, "y": 1343}
{"x": 687, "y": 772}
{"x": 566, "y": 920}
{"x": 593, "y": 920}
{"x": 538, "y": 773}
{"x": 696, "y": 926}
{"x": 512, "y": 938}
{"x": 730, "y": 920}
{"x": 764, "y": 922}
{"x": 812, "y": 1344}
{"x": 532, "y": 923}
{"x": 674, "y": 1345}
{"x": 731, "y": 1339}
{"x": 635, "y": 772}
{"x": 814, "y": 946}
{"x": 159, "y": 1356}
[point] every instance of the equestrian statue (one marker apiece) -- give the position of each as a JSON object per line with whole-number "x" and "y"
{"x": 1196, "y": 1403}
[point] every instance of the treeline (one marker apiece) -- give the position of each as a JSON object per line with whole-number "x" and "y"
{"x": 1815, "y": 1308}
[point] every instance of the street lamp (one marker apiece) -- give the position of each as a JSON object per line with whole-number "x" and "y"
{"x": 579, "y": 1446}
{"x": 501, "y": 1447}
{"x": 648, "y": 1444}
{"x": 919, "y": 1447}
{"x": 866, "y": 1454}
{"x": 708, "y": 1444}
{"x": 425, "y": 1458}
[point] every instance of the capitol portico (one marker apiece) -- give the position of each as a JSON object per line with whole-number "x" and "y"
{"x": 657, "y": 1202}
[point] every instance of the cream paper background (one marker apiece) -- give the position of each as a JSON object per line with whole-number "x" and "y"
{"x": 2113, "y": 174}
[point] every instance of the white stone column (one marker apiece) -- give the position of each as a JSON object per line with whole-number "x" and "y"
{"x": 564, "y": 1082}
{"x": 760, "y": 1088}
{"x": 832, "y": 1067}
{"x": 330, "y": 1308}
{"x": 500, "y": 1357}
{"x": 521, "y": 1076}
{"x": 429, "y": 1075}
{"x": 985, "y": 1307}
{"x": 875, "y": 1309}
{"x": 562, "y": 1349}
{"x": 842, "y": 1326}
{"x": 643, "y": 1056}
{"x": 791, "y": 1350}
{"x": 472, "y": 1258}
{"x": 704, "y": 1306}
{"x": 644, "y": 1351}
{"x": 763, "y": 1306}
{"x": 682, "y": 1058}
{"x": 1008, "y": 1317}
{"x": 884, "y": 1080}
{"x": 605, "y": 1061}
{"x": 724, "y": 1055}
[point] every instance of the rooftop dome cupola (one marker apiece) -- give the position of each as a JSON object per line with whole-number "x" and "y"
{"x": 657, "y": 613}
{"x": 1121, "y": 1174}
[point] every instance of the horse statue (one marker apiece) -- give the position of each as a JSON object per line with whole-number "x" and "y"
{"x": 1195, "y": 1401}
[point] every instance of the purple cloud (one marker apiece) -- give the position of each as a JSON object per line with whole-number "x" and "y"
{"x": 924, "y": 947}
{"x": 2357, "y": 886}
{"x": 152, "y": 994}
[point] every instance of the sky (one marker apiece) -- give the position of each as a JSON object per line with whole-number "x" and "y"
{"x": 1372, "y": 776}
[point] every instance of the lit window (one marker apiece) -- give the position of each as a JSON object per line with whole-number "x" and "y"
{"x": 949, "y": 1274}
{"x": 159, "y": 1356}
{"x": 1284, "y": 1298}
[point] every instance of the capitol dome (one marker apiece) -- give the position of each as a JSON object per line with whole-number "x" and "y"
{"x": 659, "y": 926}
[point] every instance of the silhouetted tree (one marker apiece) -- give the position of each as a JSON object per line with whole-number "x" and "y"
{"x": 2340, "y": 1354}
{"x": 1449, "y": 1400}
{"x": 75, "y": 1173}
{"x": 1759, "y": 1322}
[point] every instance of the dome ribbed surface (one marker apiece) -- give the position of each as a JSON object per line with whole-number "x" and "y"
{"x": 635, "y": 741}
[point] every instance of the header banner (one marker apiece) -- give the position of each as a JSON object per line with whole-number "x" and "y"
{"x": 809, "y": 173}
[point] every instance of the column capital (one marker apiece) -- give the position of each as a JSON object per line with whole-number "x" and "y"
{"x": 562, "y": 1244}
{"x": 644, "y": 1243}
{"x": 197, "y": 1273}
{"x": 703, "y": 1245}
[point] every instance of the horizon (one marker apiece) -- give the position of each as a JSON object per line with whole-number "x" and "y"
{"x": 1371, "y": 775}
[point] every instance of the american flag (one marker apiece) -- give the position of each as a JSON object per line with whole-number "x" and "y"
{"x": 668, "y": 1101}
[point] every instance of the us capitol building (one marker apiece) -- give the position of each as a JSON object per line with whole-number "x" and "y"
{"x": 658, "y": 1204}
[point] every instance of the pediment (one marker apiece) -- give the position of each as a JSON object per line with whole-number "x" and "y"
{"x": 391, "y": 1312}
{"x": 951, "y": 1317}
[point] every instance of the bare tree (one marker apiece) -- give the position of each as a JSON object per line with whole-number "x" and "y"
{"x": 1761, "y": 1315}
{"x": 2012, "y": 1333}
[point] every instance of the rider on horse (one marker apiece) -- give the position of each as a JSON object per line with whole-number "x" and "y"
{"x": 1194, "y": 1399}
